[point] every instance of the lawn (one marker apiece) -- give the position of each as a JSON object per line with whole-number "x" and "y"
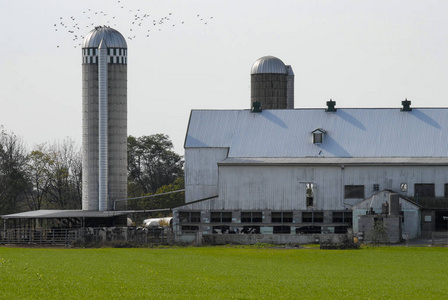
{"x": 224, "y": 273}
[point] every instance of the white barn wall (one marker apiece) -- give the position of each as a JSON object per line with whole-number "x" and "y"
{"x": 278, "y": 187}
{"x": 201, "y": 172}
{"x": 283, "y": 187}
{"x": 391, "y": 177}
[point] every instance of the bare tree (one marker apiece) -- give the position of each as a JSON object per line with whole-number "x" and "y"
{"x": 65, "y": 189}
{"x": 39, "y": 172}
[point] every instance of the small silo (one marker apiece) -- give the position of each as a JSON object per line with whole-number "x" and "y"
{"x": 104, "y": 122}
{"x": 272, "y": 84}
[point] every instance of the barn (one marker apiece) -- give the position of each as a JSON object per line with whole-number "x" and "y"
{"x": 272, "y": 173}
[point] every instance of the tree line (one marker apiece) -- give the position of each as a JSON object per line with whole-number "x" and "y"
{"x": 49, "y": 176}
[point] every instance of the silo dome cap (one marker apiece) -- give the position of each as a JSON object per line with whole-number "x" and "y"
{"x": 268, "y": 65}
{"x": 110, "y": 36}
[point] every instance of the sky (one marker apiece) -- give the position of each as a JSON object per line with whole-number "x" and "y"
{"x": 358, "y": 53}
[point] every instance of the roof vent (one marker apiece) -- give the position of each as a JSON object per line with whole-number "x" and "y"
{"x": 406, "y": 105}
{"x": 256, "y": 107}
{"x": 331, "y": 106}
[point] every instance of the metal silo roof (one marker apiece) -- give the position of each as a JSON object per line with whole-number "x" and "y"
{"x": 268, "y": 65}
{"x": 112, "y": 37}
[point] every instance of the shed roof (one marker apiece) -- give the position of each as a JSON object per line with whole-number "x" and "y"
{"x": 56, "y": 214}
{"x": 376, "y": 201}
{"x": 350, "y": 132}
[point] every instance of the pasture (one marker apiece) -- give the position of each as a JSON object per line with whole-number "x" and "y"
{"x": 224, "y": 273}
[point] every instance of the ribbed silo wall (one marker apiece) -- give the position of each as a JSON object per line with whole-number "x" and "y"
{"x": 117, "y": 135}
{"x": 290, "y": 88}
{"x": 270, "y": 90}
{"x": 90, "y": 145}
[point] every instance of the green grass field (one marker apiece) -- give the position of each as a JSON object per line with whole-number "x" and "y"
{"x": 224, "y": 273}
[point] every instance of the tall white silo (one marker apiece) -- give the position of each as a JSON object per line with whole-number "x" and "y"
{"x": 104, "y": 122}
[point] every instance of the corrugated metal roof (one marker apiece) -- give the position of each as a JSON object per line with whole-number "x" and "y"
{"x": 335, "y": 161}
{"x": 269, "y": 65}
{"x": 50, "y": 214}
{"x": 366, "y": 132}
{"x": 376, "y": 201}
{"x": 112, "y": 37}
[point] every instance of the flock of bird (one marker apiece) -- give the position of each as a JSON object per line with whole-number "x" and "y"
{"x": 140, "y": 24}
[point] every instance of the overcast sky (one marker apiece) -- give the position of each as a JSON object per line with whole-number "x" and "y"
{"x": 358, "y": 53}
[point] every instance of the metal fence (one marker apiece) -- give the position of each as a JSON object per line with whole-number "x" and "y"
{"x": 89, "y": 235}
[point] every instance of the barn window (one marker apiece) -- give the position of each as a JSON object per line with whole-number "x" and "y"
{"x": 309, "y": 188}
{"x": 282, "y": 229}
{"x": 312, "y": 217}
{"x": 376, "y": 187}
{"x": 251, "y": 217}
{"x": 342, "y": 217}
{"x": 221, "y": 217}
{"x": 404, "y": 187}
{"x": 318, "y": 136}
{"x": 446, "y": 190}
{"x": 189, "y": 217}
{"x": 353, "y": 191}
{"x": 424, "y": 190}
{"x": 281, "y": 217}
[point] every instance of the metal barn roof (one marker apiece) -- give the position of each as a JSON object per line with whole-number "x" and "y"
{"x": 56, "y": 214}
{"x": 351, "y": 132}
{"x": 433, "y": 161}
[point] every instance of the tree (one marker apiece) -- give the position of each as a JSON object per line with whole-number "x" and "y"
{"x": 39, "y": 171}
{"x": 163, "y": 201}
{"x": 54, "y": 173}
{"x": 151, "y": 164}
{"x": 378, "y": 234}
{"x": 13, "y": 180}
{"x": 65, "y": 189}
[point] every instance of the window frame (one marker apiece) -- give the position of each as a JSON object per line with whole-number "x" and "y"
{"x": 284, "y": 216}
{"x": 190, "y": 216}
{"x": 403, "y": 187}
{"x": 254, "y": 217}
{"x": 421, "y": 186}
{"x": 319, "y": 215}
{"x": 376, "y": 187}
{"x": 318, "y": 136}
{"x": 222, "y": 218}
{"x": 354, "y": 194}
{"x": 347, "y": 217}
{"x": 310, "y": 193}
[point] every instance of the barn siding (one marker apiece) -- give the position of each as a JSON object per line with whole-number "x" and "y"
{"x": 283, "y": 187}
{"x": 201, "y": 172}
